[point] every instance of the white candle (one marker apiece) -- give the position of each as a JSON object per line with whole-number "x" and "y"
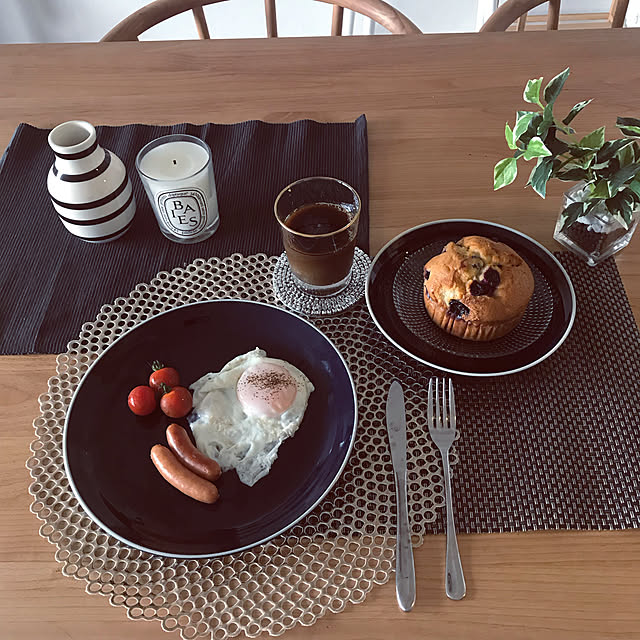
{"x": 174, "y": 161}
{"x": 177, "y": 174}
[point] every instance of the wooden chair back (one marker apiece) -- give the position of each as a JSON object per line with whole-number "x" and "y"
{"x": 160, "y": 10}
{"x": 506, "y": 14}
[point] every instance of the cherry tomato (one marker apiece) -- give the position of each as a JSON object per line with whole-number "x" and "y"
{"x": 163, "y": 375}
{"x": 176, "y": 403}
{"x": 142, "y": 400}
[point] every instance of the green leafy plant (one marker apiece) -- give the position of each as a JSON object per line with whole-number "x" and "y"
{"x": 609, "y": 168}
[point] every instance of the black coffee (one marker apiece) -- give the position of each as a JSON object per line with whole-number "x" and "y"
{"x": 315, "y": 219}
{"x": 320, "y": 260}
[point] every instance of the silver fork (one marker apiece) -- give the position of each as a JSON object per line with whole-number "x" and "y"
{"x": 442, "y": 429}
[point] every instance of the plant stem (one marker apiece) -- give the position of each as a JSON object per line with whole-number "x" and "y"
{"x": 567, "y": 161}
{"x": 565, "y": 131}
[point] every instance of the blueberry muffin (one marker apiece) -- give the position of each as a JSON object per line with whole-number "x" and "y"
{"x": 477, "y": 289}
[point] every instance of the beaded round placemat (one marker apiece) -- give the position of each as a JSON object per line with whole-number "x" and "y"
{"x": 331, "y": 558}
{"x": 287, "y": 291}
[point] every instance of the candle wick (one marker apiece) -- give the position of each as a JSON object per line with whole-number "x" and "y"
{"x": 174, "y": 162}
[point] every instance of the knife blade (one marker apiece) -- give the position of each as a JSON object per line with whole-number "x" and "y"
{"x": 397, "y": 432}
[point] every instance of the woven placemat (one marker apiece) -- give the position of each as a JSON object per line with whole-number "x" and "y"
{"x": 66, "y": 280}
{"x": 556, "y": 447}
{"x": 332, "y": 557}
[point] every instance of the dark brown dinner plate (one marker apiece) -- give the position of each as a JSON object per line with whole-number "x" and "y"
{"x": 106, "y": 447}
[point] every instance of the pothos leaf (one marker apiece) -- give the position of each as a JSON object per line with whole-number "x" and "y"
{"x": 532, "y": 130}
{"x": 626, "y": 155}
{"x": 629, "y": 126}
{"x": 553, "y": 89}
{"x": 601, "y": 191}
{"x": 536, "y": 149}
{"x": 572, "y": 175}
{"x": 540, "y": 175}
{"x": 547, "y": 121}
{"x": 622, "y": 219}
{"x": 571, "y": 214}
{"x": 635, "y": 186}
{"x": 624, "y": 174}
{"x": 508, "y": 134}
{"x": 606, "y": 169}
{"x": 610, "y": 148}
{"x": 523, "y": 119}
{"x": 578, "y": 152}
{"x": 590, "y": 205}
{"x": 504, "y": 173}
{"x": 583, "y": 163}
{"x": 575, "y": 110}
{"x": 532, "y": 91}
{"x": 593, "y": 140}
{"x": 621, "y": 207}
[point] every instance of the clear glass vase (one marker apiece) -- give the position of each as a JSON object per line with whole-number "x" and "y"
{"x": 595, "y": 236}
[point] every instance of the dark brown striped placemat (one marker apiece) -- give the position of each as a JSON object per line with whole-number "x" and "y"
{"x": 51, "y": 281}
{"x": 557, "y": 446}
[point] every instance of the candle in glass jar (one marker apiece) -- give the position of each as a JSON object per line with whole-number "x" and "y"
{"x": 177, "y": 174}
{"x": 174, "y": 160}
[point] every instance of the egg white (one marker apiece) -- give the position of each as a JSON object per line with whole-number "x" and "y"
{"x": 223, "y": 430}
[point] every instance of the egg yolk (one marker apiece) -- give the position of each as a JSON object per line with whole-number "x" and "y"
{"x": 266, "y": 390}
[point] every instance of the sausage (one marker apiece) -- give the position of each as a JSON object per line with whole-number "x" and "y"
{"x": 181, "y": 478}
{"x": 189, "y": 456}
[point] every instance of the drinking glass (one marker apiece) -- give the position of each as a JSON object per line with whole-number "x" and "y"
{"x": 319, "y": 218}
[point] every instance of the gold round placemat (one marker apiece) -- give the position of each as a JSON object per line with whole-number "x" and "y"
{"x": 331, "y": 558}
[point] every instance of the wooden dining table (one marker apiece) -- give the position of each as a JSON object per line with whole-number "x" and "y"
{"x": 436, "y": 107}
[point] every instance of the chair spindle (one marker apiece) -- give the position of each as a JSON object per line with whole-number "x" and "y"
{"x": 201, "y": 23}
{"x": 336, "y": 20}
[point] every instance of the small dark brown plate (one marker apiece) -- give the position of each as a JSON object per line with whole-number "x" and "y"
{"x": 394, "y": 297}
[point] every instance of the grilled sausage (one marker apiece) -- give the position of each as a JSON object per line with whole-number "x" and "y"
{"x": 189, "y": 456}
{"x": 181, "y": 478}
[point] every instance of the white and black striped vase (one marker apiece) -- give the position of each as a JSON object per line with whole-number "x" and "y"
{"x": 88, "y": 185}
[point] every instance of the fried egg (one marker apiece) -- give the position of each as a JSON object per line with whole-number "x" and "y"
{"x": 244, "y": 412}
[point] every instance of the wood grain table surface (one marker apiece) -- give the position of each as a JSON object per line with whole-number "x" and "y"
{"x": 436, "y": 107}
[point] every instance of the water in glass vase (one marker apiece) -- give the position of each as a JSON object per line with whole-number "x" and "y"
{"x": 595, "y": 236}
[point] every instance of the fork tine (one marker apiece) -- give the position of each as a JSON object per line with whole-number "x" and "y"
{"x": 438, "y": 423}
{"x": 452, "y": 406}
{"x": 430, "y": 404}
{"x": 445, "y": 413}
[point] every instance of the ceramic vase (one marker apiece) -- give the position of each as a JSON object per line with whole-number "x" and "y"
{"x": 88, "y": 185}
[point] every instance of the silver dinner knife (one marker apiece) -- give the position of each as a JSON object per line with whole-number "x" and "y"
{"x": 397, "y": 430}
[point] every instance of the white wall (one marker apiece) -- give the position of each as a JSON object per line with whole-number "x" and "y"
{"x": 486, "y": 8}
{"x": 89, "y": 20}
{"x": 438, "y": 16}
{"x": 633, "y": 14}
